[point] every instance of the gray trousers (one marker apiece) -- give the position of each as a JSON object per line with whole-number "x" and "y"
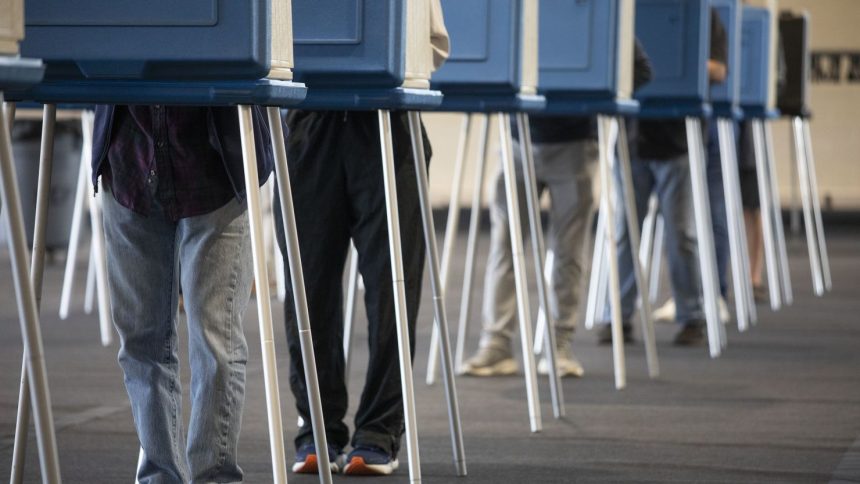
{"x": 567, "y": 171}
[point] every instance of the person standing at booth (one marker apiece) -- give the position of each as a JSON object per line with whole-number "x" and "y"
{"x": 174, "y": 196}
{"x": 565, "y": 155}
{"x": 660, "y": 164}
{"x": 335, "y": 158}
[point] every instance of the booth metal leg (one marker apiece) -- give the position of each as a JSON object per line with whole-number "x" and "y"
{"x": 472, "y": 242}
{"x": 349, "y": 310}
{"x": 597, "y": 280}
{"x": 764, "y": 187}
{"x": 731, "y": 192}
{"x": 451, "y": 226}
{"x": 99, "y": 254}
{"x": 808, "y": 217}
{"x": 705, "y": 235}
{"x": 297, "y": 280}
{"x": 538, "y": 251}
{"x": 607, "y": 190}
{"x": 75, "y": 235}
{"x": 399, "y": 283}
{"x": 37, "y": 270}
{"x": 520, "y": 277}
{"x": 438, "y": 286}
{"x": 632, "y": 218}
{"x": 655, "y": 264}
{"x": 27, "y": 310}
{"x": 264, "y": 309}
{"x": 816, "y": 205}
{"x": 540, "y": 329}
{"x": 785, "y": 276}
{"x": 646, "y": 245}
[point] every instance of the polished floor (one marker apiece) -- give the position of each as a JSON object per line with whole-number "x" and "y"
{"x": 781, "y": 405}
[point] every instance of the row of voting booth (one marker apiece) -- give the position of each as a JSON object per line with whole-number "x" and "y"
{"x": 509, "y": 59}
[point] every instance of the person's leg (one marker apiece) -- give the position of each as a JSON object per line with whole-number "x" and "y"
{"x": 215, "y": 254}
{"x": 569, "y": 171}
{"x": 379, "y": 420}
{"x": 315, "y": 153}
{"x": 717, "y": 199}
{"x": 674, "y": 191}
{"x": 142, "y": 277}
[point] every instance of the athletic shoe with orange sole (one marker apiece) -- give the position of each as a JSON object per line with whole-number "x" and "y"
{"x": 307, "y": 462}
{"x": 369, "y": 461}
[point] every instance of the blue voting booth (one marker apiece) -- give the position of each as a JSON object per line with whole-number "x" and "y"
{"x": 676, "y": 36}
{"x": 493, "y": 61}
{"x": 227, "y": 50}
{"x": 725, "y": 95}
{"x": 755, "y": 62}
{"x": 585, "y": 56}
{"x": 358, "y": 55}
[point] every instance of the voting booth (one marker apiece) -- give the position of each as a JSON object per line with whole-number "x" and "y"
{"x": 585, "y": 56}
{"x": 756, "y": 82}
{"x": 494, "y": 56}
{"x": 676, "y": 36}
{"x": 793, "y": 89}
{"x": 724, "y": 96}
{"x": 364, "y": 55}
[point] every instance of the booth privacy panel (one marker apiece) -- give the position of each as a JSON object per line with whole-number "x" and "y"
{"x": 755, "y": 58}
{"x": 494, "y": 46}
{"x": 160, "y": 39}
{"x": 11, "y": 26}
{"x": 676, "y": 36}
{"x": 586, "y": 46}
{"x": 729, "y": 11}
{"x": 792, "y": 89}
{"x": 377, "y": 43}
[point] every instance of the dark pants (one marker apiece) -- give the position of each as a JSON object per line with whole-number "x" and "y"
{"x": 336, "y": 174}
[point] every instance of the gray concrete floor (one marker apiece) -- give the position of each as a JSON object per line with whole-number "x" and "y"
{"x": 781, "y": 405}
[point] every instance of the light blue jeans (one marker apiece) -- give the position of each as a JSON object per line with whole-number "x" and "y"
{"x": 144, "y": 256}
{"x": 670, "y": 181}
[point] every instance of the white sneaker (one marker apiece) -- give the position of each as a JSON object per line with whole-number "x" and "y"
{"x": 490, "y": 362}
{"x": 566, "y": 366}
{"x": 665, "y": 313}
{"x": 725, "y": 316}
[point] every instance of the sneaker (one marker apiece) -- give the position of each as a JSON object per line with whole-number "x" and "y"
{"x": 604, "y": 334}
{"x": 725, "y": 316}
{"x": 665, "y": 313}
{"x": 490, "y": 362}
{"x": 368, "y": 460}
{"x": 306, "y": 459}
{"x": 690, "y": 334}
{"x": 566, "y": 363}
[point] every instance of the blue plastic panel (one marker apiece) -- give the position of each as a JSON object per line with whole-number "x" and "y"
{"x": 16, "y": 72}
{"x": 727, "y": 92}
{"x": 755, "y": 58}
{"x": 676, "y": 36}
{"x": 578, "y": 47}
{"x": 485, "y": 46}
{"x": 155, "y": 39}
{"x": 344, "y": 42}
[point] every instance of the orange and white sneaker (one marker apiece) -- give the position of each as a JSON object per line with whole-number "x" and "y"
{"x": 308, "y": 463}
{"x": 369, "y": 461}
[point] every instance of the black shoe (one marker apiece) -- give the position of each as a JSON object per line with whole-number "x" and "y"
{"x": 691, "y": 334}
{"x": 604, "y": 334}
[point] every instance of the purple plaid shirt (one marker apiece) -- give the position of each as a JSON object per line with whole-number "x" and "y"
{"x": 164, "y": 153}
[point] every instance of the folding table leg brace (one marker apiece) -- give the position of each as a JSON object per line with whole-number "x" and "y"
{"x": 27, "y": 310}
{"x": 520, "y": 277}
{"x": 472, "y": 241}
{"x": 538, "y": 251}
{"x": 705, "y": 236}
{"x": 438, "y": 286}
{"x": 349, "y": 308}
{"x": 399, "y": 285}
{"x": 451, "y": 226}
{"x": 815, "y": 242}
{"x": 297, "y": 279}
{"x": 75, "y": 235}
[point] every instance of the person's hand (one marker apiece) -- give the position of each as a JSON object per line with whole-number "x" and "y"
{"x": 717, "y": 71}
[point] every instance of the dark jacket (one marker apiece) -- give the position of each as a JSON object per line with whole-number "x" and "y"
{"x": 223, "y": 126}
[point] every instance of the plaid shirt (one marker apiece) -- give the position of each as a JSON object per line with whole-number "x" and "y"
{"x": 174, "y": 155}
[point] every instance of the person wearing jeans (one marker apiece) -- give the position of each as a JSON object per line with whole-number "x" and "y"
{"x": 174, "y": 198}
